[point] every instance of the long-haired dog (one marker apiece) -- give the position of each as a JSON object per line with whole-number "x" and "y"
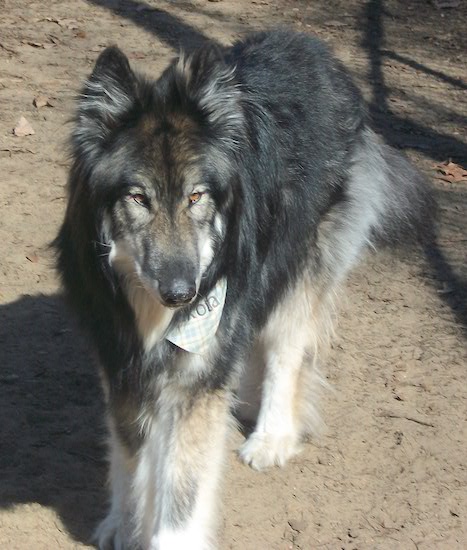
{"x": 212, "y": 215}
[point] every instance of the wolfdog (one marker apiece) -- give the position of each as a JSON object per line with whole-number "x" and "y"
{"x": 212, "y": 216}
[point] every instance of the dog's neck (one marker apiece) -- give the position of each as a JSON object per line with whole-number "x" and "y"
{"x": 152, "y": 318}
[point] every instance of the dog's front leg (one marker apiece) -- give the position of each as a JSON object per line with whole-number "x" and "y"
{"x": 189, "y": 448}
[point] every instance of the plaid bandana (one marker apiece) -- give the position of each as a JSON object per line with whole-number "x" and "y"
{"x": 195, "y": 334}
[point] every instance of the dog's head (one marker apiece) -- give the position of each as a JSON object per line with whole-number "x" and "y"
{"x": 156, "y": 162}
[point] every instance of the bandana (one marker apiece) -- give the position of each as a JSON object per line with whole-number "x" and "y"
{"x": 195, "y": 334}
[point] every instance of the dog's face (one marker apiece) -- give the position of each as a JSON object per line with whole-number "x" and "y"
{"x": 158, "y": 170}
{"x": 162, "y": 223}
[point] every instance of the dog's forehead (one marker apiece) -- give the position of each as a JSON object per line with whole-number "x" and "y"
{"x": 171, "y": 148}
{"x": 175, "y": 122}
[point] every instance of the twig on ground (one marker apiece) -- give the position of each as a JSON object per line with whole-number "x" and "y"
{"x": 410, "y": 418}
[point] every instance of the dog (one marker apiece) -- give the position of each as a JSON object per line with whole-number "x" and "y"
{"x": 212, "y": 216}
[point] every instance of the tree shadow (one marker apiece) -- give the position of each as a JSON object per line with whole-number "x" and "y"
{"x": 451, "y": 286}
{"x": 51, "y": 432}
{"x": 169, "y": 28}
{"x": 401, "y": 131}
{"x": 410, "y": 133}
{"x": 453, "y": 81}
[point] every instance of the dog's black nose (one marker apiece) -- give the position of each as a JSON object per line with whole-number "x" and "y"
{"x": 177, "y": 292}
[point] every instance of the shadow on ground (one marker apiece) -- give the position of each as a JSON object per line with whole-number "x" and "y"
{"x": 169, "y": 28}
{"x": 400, "y": 131}
{"x": 403, "y": 132}
{"x": 51, "y": 406}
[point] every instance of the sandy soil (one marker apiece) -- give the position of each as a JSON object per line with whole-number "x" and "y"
{"x": 390, "y": 471}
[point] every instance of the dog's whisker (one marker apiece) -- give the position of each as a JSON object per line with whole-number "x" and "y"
{"x": 102, "y": 244}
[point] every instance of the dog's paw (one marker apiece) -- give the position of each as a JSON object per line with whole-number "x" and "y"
{"x": 107, "y": 536}
{"x": 262, "y": 450}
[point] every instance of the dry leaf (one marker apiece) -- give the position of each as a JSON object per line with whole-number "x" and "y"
{"x": 23, "y": 128}
{"x": 33, "y": 257}
{"x": 451, "y": 172}
{"x": 41, "y": 101}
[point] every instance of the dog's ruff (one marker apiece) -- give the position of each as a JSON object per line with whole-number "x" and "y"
{"x": 242, "y": 186}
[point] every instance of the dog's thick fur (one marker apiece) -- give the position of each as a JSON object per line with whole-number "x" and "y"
{"x": 253, "y": 164}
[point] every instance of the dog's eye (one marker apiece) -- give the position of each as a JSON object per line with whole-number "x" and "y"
{"x": 139, "y": 198}
{"x": 194, "y": 197}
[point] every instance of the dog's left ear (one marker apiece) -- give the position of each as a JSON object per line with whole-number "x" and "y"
{"x": 107, "y": 98}
{"x": 210, "y": 84}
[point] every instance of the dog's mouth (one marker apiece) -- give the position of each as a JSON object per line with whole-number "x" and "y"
{"x": 177, "y": 304}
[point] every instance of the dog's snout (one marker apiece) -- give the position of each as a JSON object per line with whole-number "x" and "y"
{"x": 177, "y": 292}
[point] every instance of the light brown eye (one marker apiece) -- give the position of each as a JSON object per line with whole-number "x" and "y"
{"x": 194, "y": 197}
{"x": 139, "y": 198}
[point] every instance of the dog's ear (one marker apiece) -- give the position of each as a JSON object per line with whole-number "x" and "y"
{"x": 108, "y": 96}
{"x": 210, "y": 84}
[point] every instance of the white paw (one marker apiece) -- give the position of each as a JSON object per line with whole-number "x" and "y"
{"x": 262, "y": 449}
{"x": 106, "y": 536}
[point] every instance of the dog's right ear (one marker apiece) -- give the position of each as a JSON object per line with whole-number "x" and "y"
{"x": 205, "y": 79}
{"x": 106, "y": 99}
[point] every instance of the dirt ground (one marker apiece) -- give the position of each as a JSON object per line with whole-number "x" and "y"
{"x": 390, "y": 471}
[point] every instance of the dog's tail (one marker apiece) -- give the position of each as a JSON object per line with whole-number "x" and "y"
{"x": 399, "y": 197}
{"x": 386, "y": 201}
